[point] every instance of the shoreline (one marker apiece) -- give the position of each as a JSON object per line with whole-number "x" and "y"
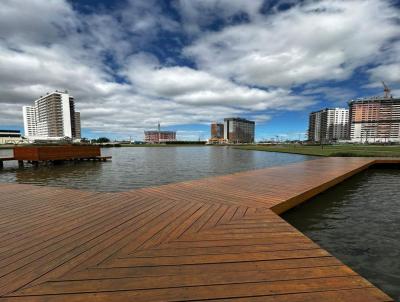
{"x": 329, "y": 150}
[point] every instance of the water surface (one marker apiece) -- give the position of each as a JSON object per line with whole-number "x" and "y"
{"x": 358, "y": 221}
{"x": 138, "y": 167}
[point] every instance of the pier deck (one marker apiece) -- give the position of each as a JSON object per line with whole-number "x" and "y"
{"x": 217, "y": 238}
{"x": 57, "y": 153}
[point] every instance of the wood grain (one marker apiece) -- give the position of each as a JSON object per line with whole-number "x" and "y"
{"x": 217, "y": 238}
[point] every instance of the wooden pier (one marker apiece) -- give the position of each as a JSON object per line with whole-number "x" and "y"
{"x": 218, "y": 238}
{"x": 38, "y": 154}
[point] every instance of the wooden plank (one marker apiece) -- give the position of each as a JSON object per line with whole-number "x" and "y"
{"x": 211, "y": 269}
{"x": 214, "y": 291}
{"x": 104, "y": 285}
{"x": 213, "y": 258}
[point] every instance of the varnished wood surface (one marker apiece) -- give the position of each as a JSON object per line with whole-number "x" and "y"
{"x": 217, "y": 238}
{"x": 65, "y": 152}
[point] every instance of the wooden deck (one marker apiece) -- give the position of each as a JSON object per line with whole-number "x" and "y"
{"x": 60, "y": 152}
{"x": 217, "y": 238}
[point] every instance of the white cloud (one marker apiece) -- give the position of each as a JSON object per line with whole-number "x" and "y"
{"x": 389, "y": 68}
{"x": 198, "y": 13}
{"x": 337, "y": 95}
{"x": 191, "y": 87}
{"x": 388, "y": 72}
{"x": 320, "y": 40}
{"x": 244, "y": 68}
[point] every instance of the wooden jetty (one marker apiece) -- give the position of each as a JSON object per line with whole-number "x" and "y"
{"x": 37, "y": 154}
{"x": 217, "y": 238}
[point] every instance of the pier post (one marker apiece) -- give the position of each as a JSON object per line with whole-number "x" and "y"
{"x": 1, "y": 164}
{"x": 21, "y": 163}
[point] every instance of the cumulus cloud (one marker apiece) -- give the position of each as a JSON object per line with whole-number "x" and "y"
{"x": 316, "y": 40}
{"x": 188, "y": 86}
{"x": 389, "y": 68}
{"x": 199, "y": 13}
{"x": 136, "y": 65}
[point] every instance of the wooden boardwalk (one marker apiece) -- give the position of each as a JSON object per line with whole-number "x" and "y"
{"x": 217, "y": 238}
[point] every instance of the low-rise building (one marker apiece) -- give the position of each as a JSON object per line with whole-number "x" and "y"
{"x": 10, "y": 137}
{"x": 158, "y": 137}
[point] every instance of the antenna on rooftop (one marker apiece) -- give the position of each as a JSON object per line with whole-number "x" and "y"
{"x": 386, "y": 90}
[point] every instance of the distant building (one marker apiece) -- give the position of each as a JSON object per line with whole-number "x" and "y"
{"x": 158, "y": 136}
{"x": 239, "y": 130}
{"x": 375, "y": 119}
{"x": 53, "y": 117}
{"x": 217, "y": 133}
{"x": 217, "y": 130}
{"x": 29, "y": 114}
{"x": 77, "y": 123}
{"x": 328, "y": 125}
{"x": 10, "y": 136}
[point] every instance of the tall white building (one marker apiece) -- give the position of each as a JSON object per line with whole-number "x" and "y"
{"x": 53, "y": 117}
{"x": 29, "y": 113}
{"x": 327, "y": 125}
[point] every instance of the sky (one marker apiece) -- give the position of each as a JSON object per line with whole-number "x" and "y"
{"x": 184, "y": 63}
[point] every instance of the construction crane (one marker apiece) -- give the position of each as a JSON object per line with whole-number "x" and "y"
{"x": 386, "y": 90}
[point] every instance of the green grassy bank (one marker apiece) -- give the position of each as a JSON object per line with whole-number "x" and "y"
{"x": 330, "y": 150}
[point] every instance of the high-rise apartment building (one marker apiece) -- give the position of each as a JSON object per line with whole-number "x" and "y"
{"x": 77, "y": 122}
{"x": 375, "y": 119}
{"x": 29, "y": 113}
{"x": 239, "y": 130}
{"x": 52, "y": 117}
{"x": 314, "y": 126}
{"x": 217, "y": 133}
{"x": 217, "y": 130}
{"x": 328, "y": 125}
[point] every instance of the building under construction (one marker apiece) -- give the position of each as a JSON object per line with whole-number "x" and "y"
{"x": 217, "y": 133}
{"x": 375, "y": 119}
{"x": 159, "y": 137}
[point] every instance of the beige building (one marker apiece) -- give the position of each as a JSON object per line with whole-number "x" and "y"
{"x": 10, "y": 137}
{"x": 375, "y": 120}
{"x": 53, "y": 117}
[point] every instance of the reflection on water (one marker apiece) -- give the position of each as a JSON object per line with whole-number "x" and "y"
{"x": 358, "y": 221}
{"x": 139, "y": 167}
{"x": 6, "y": 153}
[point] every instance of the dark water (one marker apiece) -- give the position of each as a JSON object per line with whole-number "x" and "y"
{"x": 358, "y": 222}
{"x": 139, "y": 167}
